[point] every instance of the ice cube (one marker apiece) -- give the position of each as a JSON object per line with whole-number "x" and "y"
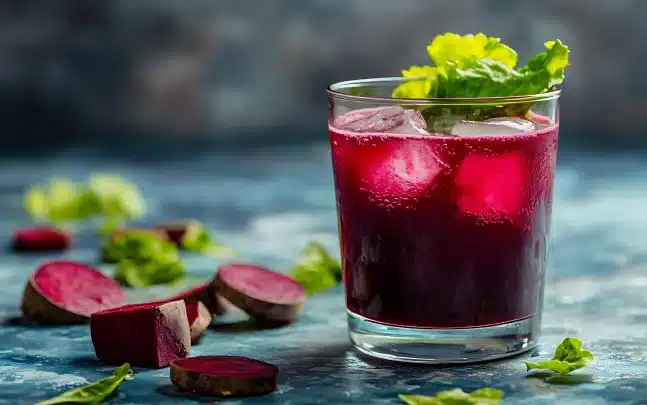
{"x": 492, "y": 126}
{"x": 400, "y": 171}
{"x": 492, "y": 187}
{"x": 382, "y": 119}
{"x": 413, "y": 124}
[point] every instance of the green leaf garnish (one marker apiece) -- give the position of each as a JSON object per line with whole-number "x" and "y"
{"x": 143, "y": 258}
{"x": 483, "y": 396}
{"x": 468, "y": 48}
{"x": 196, "y": 238}
{"x": 475, "y": 66}
{"x": 94, "y": 393}
{"x": 569, "y": 356}
{"x": 316, "y": 269}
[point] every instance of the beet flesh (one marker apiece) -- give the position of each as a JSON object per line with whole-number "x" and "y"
{"x": 62, "y": 292}
{"x": 199, "y": 319}
{"x": 262, "y": 293}
{"x": 207, "y": 294}
{"x": 146, "y": 335}
{"x": 40, "y": 239}
{"x": 227, "y": 376}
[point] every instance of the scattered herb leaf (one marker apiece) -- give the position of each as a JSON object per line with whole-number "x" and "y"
{"x": 569, "y": 356}
{"x": 196, "y": 238}
{"x": 61, "y": 202}
{"x": 316, "y": 269}
{"x": 94, "y": 393}
{"x": 143, "y": 258}
{"x": 483, "y": 396}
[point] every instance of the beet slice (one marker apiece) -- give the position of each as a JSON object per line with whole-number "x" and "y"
{"x": 40, "y": 239}
{"x": 153, "y": 232}
{"x": 207, "y": 294}
{"x": 147, "y": 335}
{"x": 226, "y": 376}
{"x": 63, "y": 292}
{"x": 199, "y": 319}
{"x": 262, "y": 293}
{"x": 174, "y": 231}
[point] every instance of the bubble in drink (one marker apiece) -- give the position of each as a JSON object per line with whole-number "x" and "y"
{"x": 492, "y": 126}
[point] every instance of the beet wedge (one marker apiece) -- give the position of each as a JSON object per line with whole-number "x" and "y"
{"x": 146, "y": 335}
{"x": 225, "y": 376}
{"x": 62, "y": 292}
{"x": 40, "y": 239}
{"x": 262, "y": 293}
{"x": 199, "y": 319}
{"x": 207, "y": 294}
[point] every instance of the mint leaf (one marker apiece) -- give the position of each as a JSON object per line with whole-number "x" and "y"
{"x": 94, "y": 393}
{"x": 569, "y": 356}
{"x": 316, "y": 270}
{"x": 483, "y": 396}
{"x": 196, "y": 238}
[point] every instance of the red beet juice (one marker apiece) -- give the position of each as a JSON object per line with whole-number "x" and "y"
{"x": 442, "y": 231}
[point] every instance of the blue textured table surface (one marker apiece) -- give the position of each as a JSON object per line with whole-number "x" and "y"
{"x": 268, "y": 206}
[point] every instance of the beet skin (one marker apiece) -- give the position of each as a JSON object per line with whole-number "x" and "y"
{"x": 199, "y": 319}
{"x": 262, "y": 293}
{"x": 40, "y": 239}
{"x": 145, "y": 335}
{"x": 63, "y": 292}
{"x": 227, "y": 376}
{"x": 207, "y": 294}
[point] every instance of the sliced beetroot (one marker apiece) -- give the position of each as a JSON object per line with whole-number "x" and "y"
{"x": 262, "y": 293}
{"x": 207, "y": 294}
{"x": 199, "y": 319}
{"x": 146, "y": 335}
{"x": 40, "y": 239}
{"x": 63, "y": 292}
{"x": 152, "y": 232}
{"x": 174, "y": 231}
{"x": 226, "y": 376}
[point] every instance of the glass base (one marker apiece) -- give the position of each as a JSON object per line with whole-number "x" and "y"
{"x": 443, "y": 346}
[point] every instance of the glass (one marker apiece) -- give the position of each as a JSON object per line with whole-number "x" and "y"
{"x": 443, "y": 238}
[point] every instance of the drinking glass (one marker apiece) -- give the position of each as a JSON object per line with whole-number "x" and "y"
{"x": 443, "y": 219}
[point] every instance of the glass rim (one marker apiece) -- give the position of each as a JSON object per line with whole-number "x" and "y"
{"x": 334, "y": 91}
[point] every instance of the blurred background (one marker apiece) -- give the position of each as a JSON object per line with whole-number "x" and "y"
{"x": 120, "y": 73}
{"x": 217, "y": 108}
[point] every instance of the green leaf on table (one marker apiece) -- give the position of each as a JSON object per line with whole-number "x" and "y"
{"x": 136, "y": 244}
{"x": 483, "y": 396}
{"x": 145, "y": 273}
{"x": 95, "y": 393}
{"x": 196, "y": 238}
{"x": 62, "y": 202}
{"x": 144, "y": 259}
{"x": 116, "y": 196}
{"x": 569, "y": 356}
{"x": 316, "y": 270}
